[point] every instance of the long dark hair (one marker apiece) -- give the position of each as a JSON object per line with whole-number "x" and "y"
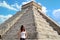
{"x": 22, "y": 28}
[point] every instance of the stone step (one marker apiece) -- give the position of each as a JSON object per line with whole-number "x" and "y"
{"x": 43, "y": 39}
{"x": 44, "y": 35}
{"x": 45, "y": 29}
{"x": 47, "y": 32}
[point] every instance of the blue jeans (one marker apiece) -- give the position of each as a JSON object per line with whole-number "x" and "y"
{"x": 22, "y": 38}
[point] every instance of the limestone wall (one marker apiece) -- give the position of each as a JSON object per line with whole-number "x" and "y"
{"x": 43, "y": 28}
{"x": 37, "y": 27}
{"x": 27, "y": 21}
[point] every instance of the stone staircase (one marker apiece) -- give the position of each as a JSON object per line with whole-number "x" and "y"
{"x": 7, "y": 25}
{"x": 11, "y": 34}
{"x": 44, "y": 29}
{"x": 36, "y": 24}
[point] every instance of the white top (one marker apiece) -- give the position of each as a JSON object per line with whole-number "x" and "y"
{"x": 23, "y": 34}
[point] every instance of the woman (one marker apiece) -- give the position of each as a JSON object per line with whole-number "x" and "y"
{"x": 22, "y": 33}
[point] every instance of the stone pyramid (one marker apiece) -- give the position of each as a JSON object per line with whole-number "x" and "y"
{"x": 38, "y": 25}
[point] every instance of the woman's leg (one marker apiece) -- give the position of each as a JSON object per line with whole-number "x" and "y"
{"x": 22, "y": 39}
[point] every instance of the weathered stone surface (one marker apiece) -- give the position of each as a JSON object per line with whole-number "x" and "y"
{"x": 37, "y": 27}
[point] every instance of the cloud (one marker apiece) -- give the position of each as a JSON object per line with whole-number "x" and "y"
{"x": 4, "y": 4}
{"x": 18, "y": 7}
{"x": 39, "y": 3}
{"x": 56, "y": 14}
{"x": 44, "y": 9}
{"x": 4, "y": 17}
{"x": 27, "y": 1}
{"x": 30, "y": 0}
{"x": 24, "y": 3}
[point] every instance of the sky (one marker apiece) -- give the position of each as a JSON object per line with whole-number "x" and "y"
{"x": 10, "y": 7}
